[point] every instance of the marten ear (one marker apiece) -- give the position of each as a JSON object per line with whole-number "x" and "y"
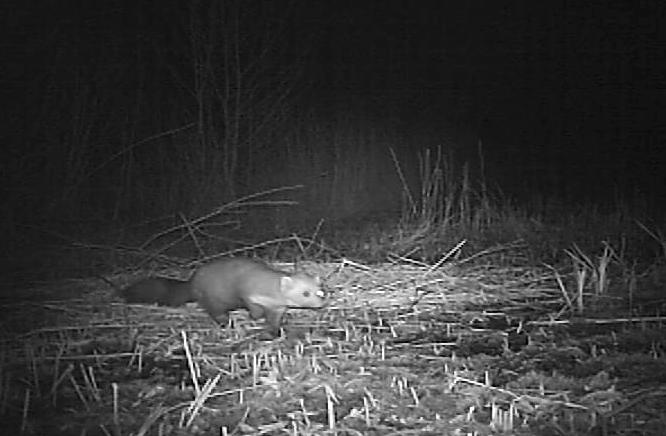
{"x": 286, "y": 283}
{"x": 317, "y": 280}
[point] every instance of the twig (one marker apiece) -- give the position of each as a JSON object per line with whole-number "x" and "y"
{"x": 600, "y": 321}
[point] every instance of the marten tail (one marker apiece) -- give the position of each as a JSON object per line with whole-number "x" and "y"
{"x": 159, "y": 290}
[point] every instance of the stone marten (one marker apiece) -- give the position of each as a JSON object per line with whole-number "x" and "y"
{"x": 235, "y": 283}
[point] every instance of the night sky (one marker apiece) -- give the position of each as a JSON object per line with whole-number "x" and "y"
{"x": 568, "y": 95}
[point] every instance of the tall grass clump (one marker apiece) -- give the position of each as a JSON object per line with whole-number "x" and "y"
{"x": 444, "y": 205}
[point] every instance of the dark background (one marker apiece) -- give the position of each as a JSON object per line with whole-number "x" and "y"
{"x": 122, "y": 111}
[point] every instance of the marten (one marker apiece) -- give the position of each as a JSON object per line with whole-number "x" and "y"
{"x": 159, "y": 290}
{"x": 235, "y": 283}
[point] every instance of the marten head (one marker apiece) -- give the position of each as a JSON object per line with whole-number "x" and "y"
{"x": 302, "y": 290}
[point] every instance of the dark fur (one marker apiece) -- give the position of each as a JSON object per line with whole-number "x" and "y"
{"x": 159, "y": 290}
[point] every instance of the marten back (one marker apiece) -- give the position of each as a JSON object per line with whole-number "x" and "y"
{"x": 159, "y": 290}
{"x": 230, "y": 284}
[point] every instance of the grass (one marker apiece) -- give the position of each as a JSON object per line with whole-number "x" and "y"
{"x": 456, "y": 309}
{"x": 459, "y": 310}
{"x": 465, "y": 312}
{"x": 400, "y": 348}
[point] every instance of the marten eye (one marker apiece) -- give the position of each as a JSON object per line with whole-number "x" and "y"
{"x": 306, "y": 294}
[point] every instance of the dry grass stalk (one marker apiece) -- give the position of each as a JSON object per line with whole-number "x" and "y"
{"x": 90, "y": 383}
{"x": 598, "y": 272}
{"x": 250, "y": 200}
{"x": 602, "y": 268}
{"x": 116, "y": 417}
{"x": 330, "y": 364}
{"x": 331, "y": 401}
{"x": 602, "y": 321}
{"x": 190, "y": 364}
{"x": 563, "y": 290}
{"x": 154, "y": 415}
{"x": 657, "y": 235}
{"x": 79, "y": 392}
{"x": 26, "y": 408}
{"x": 196, "y": 405}
{"x": 501, "y": 420}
